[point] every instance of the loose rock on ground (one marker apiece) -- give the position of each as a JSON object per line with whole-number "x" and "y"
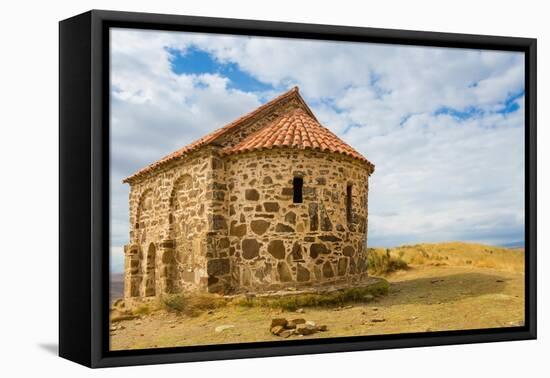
{"x": 286, "y": 328}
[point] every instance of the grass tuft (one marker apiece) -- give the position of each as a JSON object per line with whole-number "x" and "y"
{"x": 143, "y": 309}
{"x": 382, "y": 262}
{"x": 192, "y": 304}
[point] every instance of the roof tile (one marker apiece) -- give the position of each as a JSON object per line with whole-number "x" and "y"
{"x": 296, "y": 129}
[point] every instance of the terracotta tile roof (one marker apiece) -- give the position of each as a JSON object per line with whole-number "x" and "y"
{"x": 298, "y": 128}
{"x": 213, "y": 136}
{"x": 295, "y": 129}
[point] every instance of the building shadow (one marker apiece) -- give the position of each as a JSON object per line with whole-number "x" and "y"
{"x": 444, "y": 289}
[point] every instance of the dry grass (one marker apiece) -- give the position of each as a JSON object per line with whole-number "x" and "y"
{"x": 120, "y": 311}
{"x": 143, "y": 309}
{"x": 332, "y": 299}
{"x": 462, "y": 254}
{"x": 195, "y": 304}
{"x": 422, "y": 299}
{"x": 383, "y": 262}
{"x": 448, "y": 286}
{"x": 192, "y": 304}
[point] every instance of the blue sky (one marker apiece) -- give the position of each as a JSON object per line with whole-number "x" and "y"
{"x": 197, "y": 62}
{"x": 444, "y": 127}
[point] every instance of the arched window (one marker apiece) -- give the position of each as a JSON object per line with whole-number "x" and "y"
{"x": 144, "y": 210}
{"x": 349, "y": 210}
{"x": 297, "y": 185}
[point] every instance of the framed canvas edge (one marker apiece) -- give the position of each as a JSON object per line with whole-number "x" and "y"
{"x": 75, "y": 334}
{"x": 100, "y": 21}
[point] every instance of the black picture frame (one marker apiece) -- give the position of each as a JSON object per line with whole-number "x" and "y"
{"x": 84, "y": 192}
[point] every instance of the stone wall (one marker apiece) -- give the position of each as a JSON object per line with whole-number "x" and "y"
{"x": 228, "y": 223}
{"x": 275, "y": 243}
{"x": 169, "y": 222}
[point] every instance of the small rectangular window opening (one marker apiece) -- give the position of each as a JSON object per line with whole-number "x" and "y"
{"x": 349, "y": 214}
{"x": 297, "y": 185}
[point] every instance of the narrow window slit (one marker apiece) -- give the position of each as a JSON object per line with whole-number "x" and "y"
{"x": 298, "y": 184}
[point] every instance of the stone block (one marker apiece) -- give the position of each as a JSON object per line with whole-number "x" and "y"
{"x": 280, "y": 227}
{"x": 329, "y": 238}
{"x": 277, "y": 249}
{"x": 290, "y": 217}
{"x": 237, "y": 230}
{"x": 217, "y": 267}
{"x": 218, "y": 222}
{"x": 342, "y": 266}
{"x": 328, "y": 272}
{"x": 313, "y": 217}
{"x": 271, "y": 207}
{"x": 284, "y": 272}
{"x": 259, "y": 226}
{"x": 302, "y": 273}
{"x": 251, "y": 195}
{"x": 348, "y": 251}
{"x": 251, "y": 248}
{"x": 296, "y": 253}
{"x": 317, "y": 249}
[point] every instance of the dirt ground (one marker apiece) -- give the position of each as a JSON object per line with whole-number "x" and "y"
{"x": 423, "y": 298}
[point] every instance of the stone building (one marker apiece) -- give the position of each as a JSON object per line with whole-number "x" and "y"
{"x": 269, "y": 201}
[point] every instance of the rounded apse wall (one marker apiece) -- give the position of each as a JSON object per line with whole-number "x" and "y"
{"x": 296, "y": 218}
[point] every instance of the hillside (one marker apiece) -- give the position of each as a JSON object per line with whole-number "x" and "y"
{"x": 444, "y": 286}
{"x": 460, "y": 254}
{"x": 116, "y": 288}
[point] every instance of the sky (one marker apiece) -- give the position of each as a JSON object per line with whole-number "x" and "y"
{"x": 444, "y": 127}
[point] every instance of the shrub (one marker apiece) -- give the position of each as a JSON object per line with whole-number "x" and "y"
{"x": 380, "y": 262}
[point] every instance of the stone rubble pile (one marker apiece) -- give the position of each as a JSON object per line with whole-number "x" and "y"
{"x": 286, "y": 328}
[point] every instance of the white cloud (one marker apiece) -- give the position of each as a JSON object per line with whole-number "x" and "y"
{"x": 155, "y": 111}
{"x": 437, "y": 177}
{"x": 440, "y": 179}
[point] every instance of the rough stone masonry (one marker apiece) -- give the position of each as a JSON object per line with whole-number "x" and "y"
{"x": 270, "y": 201}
